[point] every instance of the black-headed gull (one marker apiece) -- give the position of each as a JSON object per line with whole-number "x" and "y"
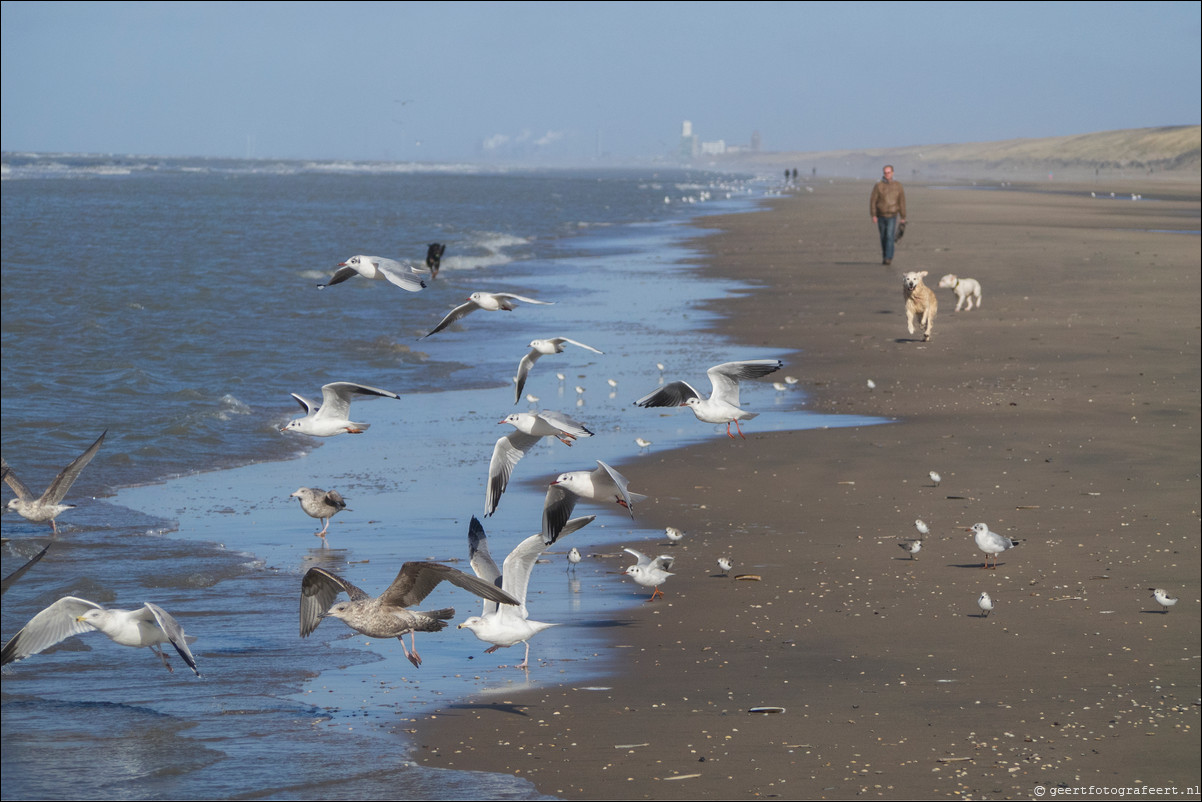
{"x": 531, "y": 428}
{"x": 723, "y": 404}
{"x": 149, "y": 625}
{"x": 648, "y": 572}
{"x": 385, "y": 615}
{"x": 1163, "y": 598}
{"x": 509, "y": 625}
{"x": 47, "y": 506}
{"x": 552, "y": 345}
{"x": 602, "y": 485}
{"x": 330, "y": 418}
{"x": 990, "y": 542}
{"x": 985, "y": 603}
{"x": 488, "y": 301}
{"x": 320, "y": 504}
{"x": 398, "y": 273}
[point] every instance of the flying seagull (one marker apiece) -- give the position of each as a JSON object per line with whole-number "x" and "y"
{"x": 385, "y": 615}
{"x": 601, "y": 485}
{"x": 488, "y": 301}
{"x": 47, "y": 506}
{"x": 723, "y": 404}
{"x": 150, "y": 625}
{"x": 377, "y": 267}
{"x": 512, "y": 447}
{"x": 538, "y": 348}
{"x": 331, "y": 416}
{"x": 507, "y": 626}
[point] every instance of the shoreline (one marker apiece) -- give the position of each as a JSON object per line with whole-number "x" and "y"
{"x": 1064, "y": 413}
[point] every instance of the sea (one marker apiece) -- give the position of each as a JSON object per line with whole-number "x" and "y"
{"x": 173, "y": 303}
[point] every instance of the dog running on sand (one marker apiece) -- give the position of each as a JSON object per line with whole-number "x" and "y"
{"x": 967, "y": 290}
{"x": 921, "y": 301}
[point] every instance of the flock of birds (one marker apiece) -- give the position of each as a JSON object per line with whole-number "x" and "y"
{"x": 504, "y": 619}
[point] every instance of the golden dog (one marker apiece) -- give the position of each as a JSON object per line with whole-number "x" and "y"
{"x": 921, "y": 301}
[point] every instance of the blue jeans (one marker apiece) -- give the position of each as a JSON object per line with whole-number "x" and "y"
{"x": 888, "y": 228}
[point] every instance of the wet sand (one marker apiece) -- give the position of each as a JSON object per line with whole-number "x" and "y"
{"x": 1064, "y": 413}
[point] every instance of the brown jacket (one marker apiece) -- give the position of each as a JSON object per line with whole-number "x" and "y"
{"x": 888, "y": 199}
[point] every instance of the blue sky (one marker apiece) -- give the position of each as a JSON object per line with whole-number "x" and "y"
{"x": 564, "y": 82}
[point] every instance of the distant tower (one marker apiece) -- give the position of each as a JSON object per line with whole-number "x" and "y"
{"x": 755, "y": 141}
{"x": 688, "y": 141}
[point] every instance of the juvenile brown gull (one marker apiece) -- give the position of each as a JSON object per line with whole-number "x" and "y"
{"x": 385, "y": 615}
{"x": 47, "y": 507}
{"x": 320, "y": 504}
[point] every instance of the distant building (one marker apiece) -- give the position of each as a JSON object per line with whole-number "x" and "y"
{"x": 715, "y": 148}
{"x": 688, "y": 141}
{"x": 755, "y": 141}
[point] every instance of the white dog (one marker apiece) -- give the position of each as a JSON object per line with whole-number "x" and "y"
{"x": 967, "y": 290}
{"x": 921, "y": 301}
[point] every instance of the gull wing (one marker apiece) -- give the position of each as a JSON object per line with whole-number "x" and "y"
{"x": 672, "y": 394}
{"x": 562, "y": 340}
{"x": 505, "y": 455}
{"x": 12, "y": 578}
{"x": 173, "y": 631}
{"x": 557, "y": 509}
{"x": 455, "y": 314}
{"x": 518, "y": 565}
{"x": 53, "y": 625}
{"x": 643, "y": 559}
{"x": 319, "y": 588}
{"x": 308, "y": 406}
{"x": 340, "y": 275}
{"x": 565, "y": 424}
{"x": 523, "y": 371}
{"x": 62, "y": 483}
{"x": 416, "y": 579}
{"x": 16, "y": 484}
{"x": 400, "y": 274}
{"x": 336, "y": 398}
{"x": 629, "y": 499}
{"x": 726, "y": 377}
{"x": 522, "y": 298}
{"x": 481, "y": 560}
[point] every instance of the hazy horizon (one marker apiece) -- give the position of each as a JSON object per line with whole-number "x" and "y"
{"x": 590, "y": 83}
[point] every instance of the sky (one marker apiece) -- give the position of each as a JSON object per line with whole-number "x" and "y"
{"x": 581, "y": 82}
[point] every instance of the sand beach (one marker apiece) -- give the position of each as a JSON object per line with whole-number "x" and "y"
{"x": 1064, "y": 413}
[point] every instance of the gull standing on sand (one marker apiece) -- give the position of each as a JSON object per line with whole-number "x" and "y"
{"x": 149, "y": 625}
{"x": 512, "y": 447}
{"x": 723, "y": 404}
{"x": 990, "y": 542}
{"x": 648, "y": 572}
{"x": 396, "y": 273}
{"x": 985, "y": 603}
{"x": 385, "y": 615}
{"x": 488, "y": 301}
{"x": 538, "y": 348}
{"x": 1163, "y": 598}
{"x": 509, "y": 625}
{"x": 320, "y": 504}
{"x": 47, "y": 506}
{"x": 331, "y": 417}
{"x": 602, "y": 485}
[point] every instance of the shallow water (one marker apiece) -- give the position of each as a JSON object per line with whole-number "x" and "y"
{"x": 183, "y": 330}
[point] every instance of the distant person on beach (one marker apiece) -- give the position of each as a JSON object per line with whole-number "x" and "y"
{"x": 888, "y": 208}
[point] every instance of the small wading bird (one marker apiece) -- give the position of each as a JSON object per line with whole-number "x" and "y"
{"x": 723, "y": 404}
{"x": 488, "y": 301}
{"x": 1163, "y": 598}
{"x": 510, "y": 449}
{"x": 911, "y": 546}
{"x": 320, "y": 504}
{"x": 385, "y": 616}
{"x": 508, "y": 626}
{"x": 539, "y": 348}
{"x": 602, "y": 485}
{"x": 377, "y": 267}
{"x": 150, "y": 625}
{"x": 990, "y": 542}
{"x": 331, "y": 417}
{"x": 986, "y": 604}
{"x": 46, "y": 507}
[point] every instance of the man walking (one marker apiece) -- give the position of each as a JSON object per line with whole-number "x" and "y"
{"x": 888, "y": 208}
